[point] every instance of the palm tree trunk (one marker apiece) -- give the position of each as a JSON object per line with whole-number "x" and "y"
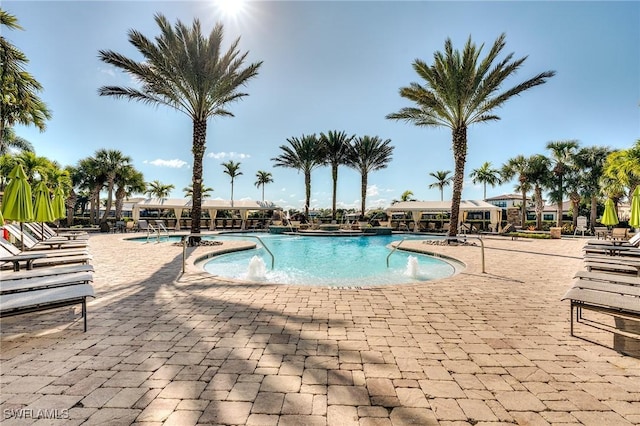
{"x": 363, "y": 192}
{"x": 539, "y": 208}
{"x": 263, "y": 192}
{"x": 307, "y": 190}
{"x": 560, "y": 213}
{"x": 334, "y": 175}
{"x": 231, "y": 192}
{"x": 199, "y": 140}
{"x": 459, "y": 156}
{"x": 107, "y": 208}
{"x": 575, "y": 207}
{"x": 524, "y": 207}
{"x": 120, "y": 194}
{"x": 594, "y": 212}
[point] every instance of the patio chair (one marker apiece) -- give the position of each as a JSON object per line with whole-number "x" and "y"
{"x": 11, "y": 257}
{"x": 619, "y": 234}
{"x": 601, "y": 232}
{"x": 581, "y": 225}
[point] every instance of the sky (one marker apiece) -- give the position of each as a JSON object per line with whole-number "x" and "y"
{"x": 334, "y": 65}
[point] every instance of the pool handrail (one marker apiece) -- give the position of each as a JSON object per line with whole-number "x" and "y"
{"x": 448, "y": 238}
{"x": 186, "y": 237}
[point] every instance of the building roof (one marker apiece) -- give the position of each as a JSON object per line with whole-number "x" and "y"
{"x": 507, "y": 197}
{"x": 440, "y": 206}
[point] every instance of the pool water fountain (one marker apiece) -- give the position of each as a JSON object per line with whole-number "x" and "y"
{"x": 257, "y": 269}
{"x": 412, "y": 267}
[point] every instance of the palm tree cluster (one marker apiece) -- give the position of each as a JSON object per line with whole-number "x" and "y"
{"x": 365, "y": 154}
{"x": 583, "y": 174}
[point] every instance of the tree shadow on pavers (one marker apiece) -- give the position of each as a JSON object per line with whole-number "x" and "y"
{"x": 537, "y": 253}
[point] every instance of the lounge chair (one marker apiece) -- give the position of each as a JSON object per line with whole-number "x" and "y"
{"x": 13, "y": 258}
{"x": 40, "y": 293}
{"x": 44, "y": 232}
{"x": 30, "y": 243}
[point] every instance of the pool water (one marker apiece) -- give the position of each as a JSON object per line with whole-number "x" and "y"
{"x": 332, "y": 261}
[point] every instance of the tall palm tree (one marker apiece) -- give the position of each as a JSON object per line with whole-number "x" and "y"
{"x": 486, "y": 175}
{"x": 19, "y": 103}
{"x": 562, "y": 153}
{"x": 111, "y": 162}
{"x": 232, "y": 169}
{"x": 263, "y": 178}
{"x": 9, "y": 140}
{"x": 591, "y": 161}
{"x": 368, "y": 154}
{"x": 336, "y": 148}
{"x": 188, "y": 71}
{"x": 460, "y": 89}
{"x": 442, "y": 179}
{"x": 205, "y": 191}
{"x": 304, "y": 154}
{"x": 157, "y": 189}
{"x": 539, "y": 175}
{"x": 518, "y": 166}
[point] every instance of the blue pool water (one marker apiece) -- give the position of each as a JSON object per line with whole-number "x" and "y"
{"x": 331, "y": 261}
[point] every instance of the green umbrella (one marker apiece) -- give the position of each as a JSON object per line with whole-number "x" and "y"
{"x": 609, "y": 217}
{"x": 59, "y": 209}
{"x": 42, "y": 210}
{"x": 17, "y": 204}
{"x": 634, "y": 220}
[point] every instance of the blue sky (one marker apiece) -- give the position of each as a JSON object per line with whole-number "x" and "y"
{"x": 334, "y": 66}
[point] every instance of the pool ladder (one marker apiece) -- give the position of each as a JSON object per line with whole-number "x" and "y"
{"x": 186, "y": 237}
{"x": 157, "y": 231}
{"x": 447, "y": 238}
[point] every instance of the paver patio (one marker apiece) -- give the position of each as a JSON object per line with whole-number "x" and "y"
{"x": 474, "y": 349}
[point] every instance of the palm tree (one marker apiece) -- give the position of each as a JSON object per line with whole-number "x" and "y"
{"x": 92, "y": 179}
{"x": 539, "y": 175}
{"x": 111, "y": 162}
{"x": 623, "y": 167}
{"x": 205, "y": 191}
{"x": 442, "y": 179}
{"x": 10, "y": 140}
{"x": 562, "y": 153}
{"x": 157, "y": 189}
{"x": 518, "y": 166}
{"x": 486, "y": 175}
{"x": 263, "y": 178}
{"x": 461, "y": 90}
{"x": 405, "y": 196}
{"x": 368, "y": 154}
{"x": 128, "y": 181}
{"x": 336, "y": 147}
{"x": 232, "y": 169}
{"x": 304, "y": 154}
{"x": 19, "y": 103}
{"x": 591, "y": 161}
{"x": 187, "y": 71}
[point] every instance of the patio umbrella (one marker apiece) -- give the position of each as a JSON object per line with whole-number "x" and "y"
{"x": 17, "y": 204}
{"x": 42, "y": 210}
{"x": 59, "y": 209}
{"x": 634, "y": 219}
{"x": 609, "y": 217}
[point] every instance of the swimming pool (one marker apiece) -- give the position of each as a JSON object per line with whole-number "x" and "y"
{"x": 338, "y": 262}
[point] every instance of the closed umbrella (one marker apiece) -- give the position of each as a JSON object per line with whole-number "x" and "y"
{"x": 59, "y": 209}
{"x": 17, "y": 204}
{"x": 42, "y": 210}
{"x": 634, "y": 220}
{"x": 609, "y": 217}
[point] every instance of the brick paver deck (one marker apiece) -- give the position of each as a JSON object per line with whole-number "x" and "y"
{"x": 474, "y": 349}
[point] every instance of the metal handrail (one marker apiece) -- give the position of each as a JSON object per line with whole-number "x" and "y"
{"x": 449, "y": 238}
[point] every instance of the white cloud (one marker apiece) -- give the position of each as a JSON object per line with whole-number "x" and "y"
{"x": 174, "y": 164}
{"x": 230, "y": 155}
{"x": 373, "y": 190}
{"x": 109, "y": 71}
